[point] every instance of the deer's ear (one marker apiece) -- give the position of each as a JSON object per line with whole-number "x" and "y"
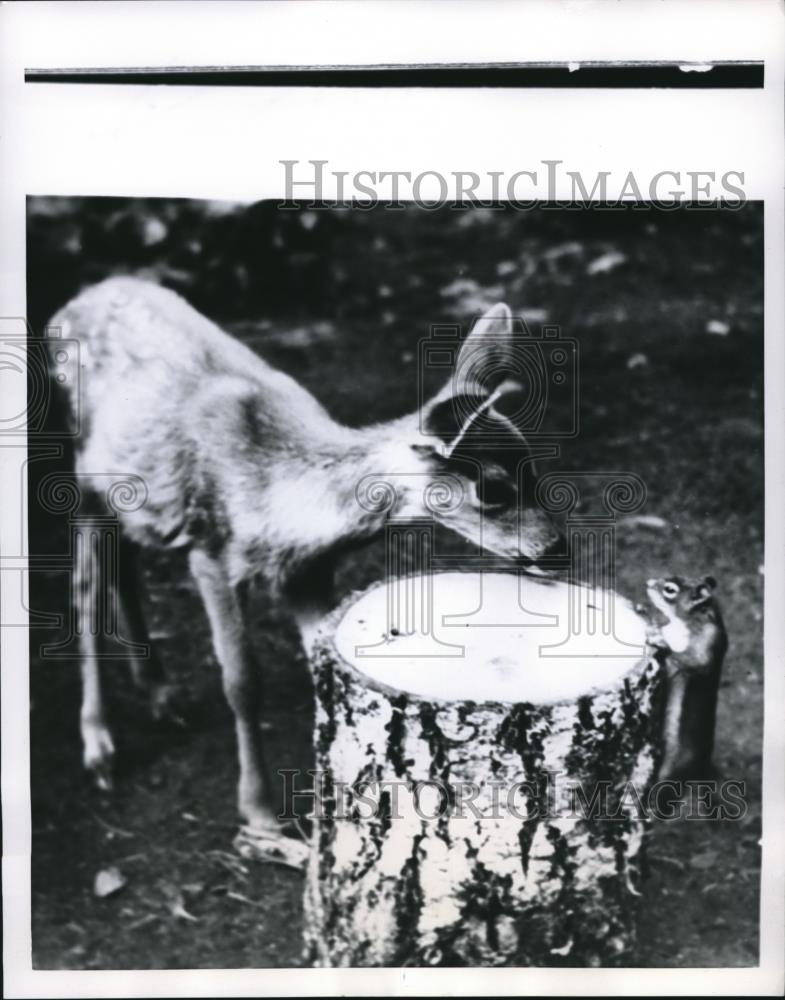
{"x": 448, "y": 418}
{"x": 710, "y": 582}
{"x": 486, "y": 372}
{"x": 497, "y": 321}
{"x": 486, "y": 358}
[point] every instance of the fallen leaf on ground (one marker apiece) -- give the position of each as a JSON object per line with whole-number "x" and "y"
{"x": 606, "y": 262}
{"x": 175, "y": 902}
{"x": 705, "y": 860}
{"x": 108, "y": 881}
{"x": 644, "y": 521}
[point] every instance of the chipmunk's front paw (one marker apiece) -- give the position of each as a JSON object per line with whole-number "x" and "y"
{"x": 656, "y": 640}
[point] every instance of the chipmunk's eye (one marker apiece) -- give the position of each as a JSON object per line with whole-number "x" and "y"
{"x": 670, "y": 591}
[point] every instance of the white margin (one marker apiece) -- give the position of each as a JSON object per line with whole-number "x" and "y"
{"x": 98, "y": 141}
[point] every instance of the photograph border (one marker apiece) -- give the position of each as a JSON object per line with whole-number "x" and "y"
{"x": 56, "y": 144}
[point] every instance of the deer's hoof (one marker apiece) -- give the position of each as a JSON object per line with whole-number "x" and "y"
{"x": 98, "y": 756}
{"x": 271, "y": 847}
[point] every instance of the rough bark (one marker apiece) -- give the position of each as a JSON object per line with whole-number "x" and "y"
{"x": 543, "y": 883}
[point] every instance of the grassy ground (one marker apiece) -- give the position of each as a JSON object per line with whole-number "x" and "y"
{"x": 340, "y": 300}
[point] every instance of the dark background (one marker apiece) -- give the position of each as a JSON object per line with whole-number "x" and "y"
{"x": 340, "y": 299}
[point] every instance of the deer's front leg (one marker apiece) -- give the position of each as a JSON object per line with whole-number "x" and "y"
{"x": 242, "y": 684}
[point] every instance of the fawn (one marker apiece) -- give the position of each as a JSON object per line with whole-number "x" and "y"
{"x": 245, "y": 469}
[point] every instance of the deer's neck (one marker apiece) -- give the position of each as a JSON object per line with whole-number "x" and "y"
{"x": 326, "y": 497}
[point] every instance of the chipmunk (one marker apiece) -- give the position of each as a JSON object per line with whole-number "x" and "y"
{"x": 694, "y": 641}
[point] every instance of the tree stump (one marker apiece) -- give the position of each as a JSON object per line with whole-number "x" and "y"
{"x": 484, "y": 807}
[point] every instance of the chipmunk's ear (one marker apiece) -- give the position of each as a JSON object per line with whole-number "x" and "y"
{"x": 710, "y": 582}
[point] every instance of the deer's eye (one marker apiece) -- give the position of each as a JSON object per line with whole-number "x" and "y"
{"x": 670, "y": 591}
{"x": 495, "y": 492}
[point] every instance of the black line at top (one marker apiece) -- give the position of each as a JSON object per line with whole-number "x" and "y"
{"x": 724, "y": 75}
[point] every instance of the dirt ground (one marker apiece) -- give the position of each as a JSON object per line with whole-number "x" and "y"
{"x": 668, "y": 310}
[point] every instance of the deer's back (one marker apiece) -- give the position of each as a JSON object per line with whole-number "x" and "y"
{"x": 162, "y": 393}
{"x": 148, "y": 343}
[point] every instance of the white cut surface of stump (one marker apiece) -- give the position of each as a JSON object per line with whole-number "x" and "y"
{"x": 508, "y": 662}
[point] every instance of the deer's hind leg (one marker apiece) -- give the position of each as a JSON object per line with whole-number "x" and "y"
{"x": 146, "y": 667}
{"x": 89, "y": 595}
